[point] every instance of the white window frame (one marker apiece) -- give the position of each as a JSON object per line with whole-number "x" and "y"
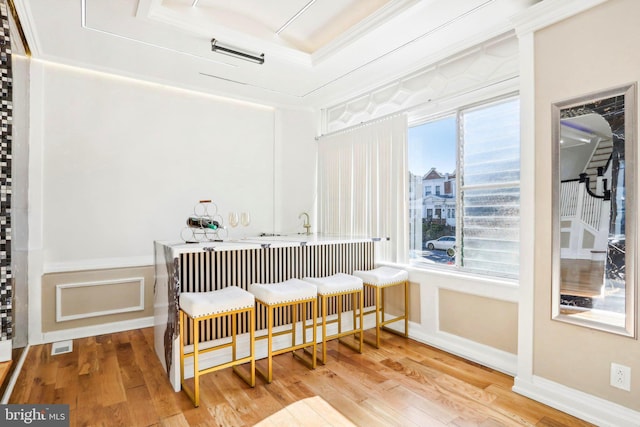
{"x": 454, "y": 108}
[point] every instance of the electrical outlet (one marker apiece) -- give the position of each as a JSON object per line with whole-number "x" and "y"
{"x": 621, "y": 376}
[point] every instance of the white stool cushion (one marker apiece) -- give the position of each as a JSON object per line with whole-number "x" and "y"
{"x": 288, "y": 291}
{"x": 198, "y": 304}
{"x": 335, "y": 284}
{"x": 382, "y": 276}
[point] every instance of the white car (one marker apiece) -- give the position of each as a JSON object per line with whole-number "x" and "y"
{"x": 442, "y": 243}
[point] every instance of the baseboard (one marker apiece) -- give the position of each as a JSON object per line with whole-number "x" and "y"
{"x": 483, "y": 354}
{"x": 577, "y": 403}
{"x": 14, "y": 376}
{"x": 90, "y": 331}
{"x": 5, "y": 350}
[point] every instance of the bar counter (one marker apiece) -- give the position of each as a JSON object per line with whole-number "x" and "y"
{"x": 213, "y": 265}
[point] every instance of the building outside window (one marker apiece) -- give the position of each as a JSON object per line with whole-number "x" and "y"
{"x": 471, "y": 158}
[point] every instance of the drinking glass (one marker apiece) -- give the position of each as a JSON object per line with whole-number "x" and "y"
{"x": 245, "y": 218}
{"x": 233, "y": 219}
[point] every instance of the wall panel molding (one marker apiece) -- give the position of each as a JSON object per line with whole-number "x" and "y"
{"x": 98, "y": 264}
{"x": 93, "y": 307}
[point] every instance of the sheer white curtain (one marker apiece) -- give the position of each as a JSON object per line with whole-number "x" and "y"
{"x": 362, "y": 185}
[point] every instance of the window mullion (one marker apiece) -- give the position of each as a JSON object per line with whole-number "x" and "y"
{"x": 459, "y": 205}
{"x": 492, "y": 186}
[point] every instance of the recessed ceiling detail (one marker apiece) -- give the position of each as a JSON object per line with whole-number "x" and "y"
{"x": 332, "y": 50}
{"x": 316, "y": 23}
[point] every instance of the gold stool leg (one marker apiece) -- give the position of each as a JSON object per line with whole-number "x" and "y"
{"x": 304, "y": 322}
{"x": 294, "y": 321}
{"x": 361, "y": 303}
{"x": 270, "y": 344}
{"x": 252, "y": 346}
{"x": 406, "y": 308}
{"x": 354, "y": 300}
{"x": 379, "y": 313}
{"x": 339, "y": 306}
{"x": 315, "y": 332}
{"x": 196, "y": 372}
{"x": 324, "y": 329}
{"x": 233, "y": 337}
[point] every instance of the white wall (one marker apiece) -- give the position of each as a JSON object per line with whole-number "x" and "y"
{"x": 124, "y": 163}
{"x": 295, "y": 170}
{"x": 562, "y": 76}
{"x": 116, "y": 163}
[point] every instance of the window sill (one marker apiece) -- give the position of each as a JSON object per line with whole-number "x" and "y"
{"x": 486, "y": 286}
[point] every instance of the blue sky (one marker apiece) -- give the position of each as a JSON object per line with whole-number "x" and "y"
{"x": 433, "y": 144}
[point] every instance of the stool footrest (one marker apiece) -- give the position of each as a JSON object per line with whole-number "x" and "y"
{"x": 290, "y": 349}
{"x": 207, "y": 350}
{"x": 249, "y": 378}
{"x": 352, "y": 346}
{"x": 274, "y": 334}
{"x": 393, "y": 331}
{"x": 309, "y": 362}
{"x": 395, "y": 319}
{"x": 224, "y": 365}
{"x": 343, "y": 334}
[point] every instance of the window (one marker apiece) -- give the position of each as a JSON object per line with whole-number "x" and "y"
{"x": 474, "y": 155}
{"x": 427, "y": 191}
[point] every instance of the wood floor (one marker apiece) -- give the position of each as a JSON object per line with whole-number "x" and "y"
{"x": 117, "y": 380}
{"x": 5, "y": 368}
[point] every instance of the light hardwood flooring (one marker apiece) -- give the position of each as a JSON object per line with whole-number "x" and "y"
{"x": 117, "y": 380}
{"x": 5, "y": 368}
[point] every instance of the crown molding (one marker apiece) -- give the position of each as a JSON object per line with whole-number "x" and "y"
{"x": 25, "y": 17}
{"x": 548, "y": 12}
{"x": 369, "y": 24}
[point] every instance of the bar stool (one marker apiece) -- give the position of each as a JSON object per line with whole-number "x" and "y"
{"x": 337, "y": 286}
{"x": 291, "y": 293}
{"x": 200, "y": 306}
{"x": 379, "y": 279}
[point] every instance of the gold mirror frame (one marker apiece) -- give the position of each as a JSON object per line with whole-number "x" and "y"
{"x": 612, "y": 105}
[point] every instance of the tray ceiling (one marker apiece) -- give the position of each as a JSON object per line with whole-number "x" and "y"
{"x": 333, "y": 48}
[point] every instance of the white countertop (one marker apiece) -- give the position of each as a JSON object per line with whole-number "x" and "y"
{"x": 257, "y": 242}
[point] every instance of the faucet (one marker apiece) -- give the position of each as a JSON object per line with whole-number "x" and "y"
{"x": 306, "y": 222}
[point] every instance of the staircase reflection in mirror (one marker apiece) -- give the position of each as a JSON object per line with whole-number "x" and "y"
{"x": 594, "y": 148}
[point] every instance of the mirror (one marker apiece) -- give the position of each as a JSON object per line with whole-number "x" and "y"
{"x": 594, "y": 223}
